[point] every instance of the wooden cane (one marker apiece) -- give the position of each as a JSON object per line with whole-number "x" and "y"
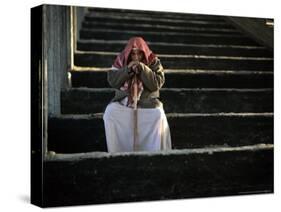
{"x": 135, "y": 98}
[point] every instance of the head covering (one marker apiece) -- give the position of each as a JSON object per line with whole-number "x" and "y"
{"x": 138, "y": 43}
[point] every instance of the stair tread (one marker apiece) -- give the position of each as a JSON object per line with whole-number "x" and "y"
{"x": 106, "y": 30}
{"x": 170, "y": 15}
{"x": 173, "y": 61}
{"x": 159, "y": 27}
{"x": 124, "y": 42}
{"x": 151, "y": 13}
{"x": 178, "y": 89}
{"x": 147, "y": 19}
{"x": 208, "y": 150}
{"x": 175, "y": 71}
{"x": 181, "y": 37}
{"x": 195, "y": 56}
{"x": 221, "y": 114}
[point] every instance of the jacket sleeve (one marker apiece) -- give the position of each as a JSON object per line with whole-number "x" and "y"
{"x": 153, "y": 76}
{"x": 116, "y": 77}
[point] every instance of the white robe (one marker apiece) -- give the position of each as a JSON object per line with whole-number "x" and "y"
{"x": 152, "y": 126}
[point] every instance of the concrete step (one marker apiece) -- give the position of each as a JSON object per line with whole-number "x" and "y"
{"x": 96, "y": 178}
{"x": 97, "y": 78}
{"x": 105, "y": 59}
{"x": 94, "y": 100}
{"x": 152, "y": 14}
{"x": 85, "y": 133}
{"x": 178, "y": 48}
{"x": 172, "y": 37}
{"x": 156, "y": 28}
{"x": 191, "y": 22}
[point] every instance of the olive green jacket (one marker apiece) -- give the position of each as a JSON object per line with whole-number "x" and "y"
{"x": 152, "y": 77}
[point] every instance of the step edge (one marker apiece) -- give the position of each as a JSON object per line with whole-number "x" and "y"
{"x": 175, "y": 71}
{"x": 106, "y": 30}
{"x": 90, "y": 116}
{"x": 175, "y": 152}
{"x": 88, "y": 89}
{"x": 161, "y": 26}
{"x": 171, "y": 44}
{"x": 166, "y": 20}
{"x": 190, "y": 56}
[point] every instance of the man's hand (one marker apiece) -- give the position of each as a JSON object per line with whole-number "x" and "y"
{"x": 135, "y": 67}
{"x": 133, "y": 64}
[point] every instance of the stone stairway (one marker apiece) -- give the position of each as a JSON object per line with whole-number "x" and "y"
{"x": 218, "y": 98}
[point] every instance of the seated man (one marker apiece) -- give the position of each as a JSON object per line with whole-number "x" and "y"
{"x": 135, "y": 119}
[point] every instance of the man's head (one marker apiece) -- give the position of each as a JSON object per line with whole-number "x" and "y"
{"x": 136, "y": 55}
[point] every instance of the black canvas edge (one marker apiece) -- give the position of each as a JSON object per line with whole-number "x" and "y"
{"x": 36, "y": 189}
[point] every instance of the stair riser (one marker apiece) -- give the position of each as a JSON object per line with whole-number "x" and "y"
{"x": 211, "y": 102}
{"x": 156, "y": 15}
{"x": 93, "y": 79}
{"x": 154, "y": 21}
{"x": 71, "y": 135}
{"x": 146, "y": 178}
{"x": 190, "y": 101}
{"x": 98, "y": 60}
{"x": 154, "y": 28}
{"x": 76, "y": 135}
{"x": 189, "y": 50}
{"x": 162, "y": 37}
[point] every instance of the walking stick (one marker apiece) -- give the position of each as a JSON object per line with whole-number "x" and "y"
{"x": 135, "y": 98}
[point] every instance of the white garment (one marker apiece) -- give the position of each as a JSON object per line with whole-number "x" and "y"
{"x": 152, "y": 125}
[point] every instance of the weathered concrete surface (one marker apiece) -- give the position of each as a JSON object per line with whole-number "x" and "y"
{"x": 101, "y": 59}
{"x": 255, "y": 28}
{"x": 191, "y": 21}
{"x": 79, "y": 180}
{"x": 185, "y": 79}
{"x": 83, "y": 100}
{"x": 108, "y": 12}
{"x": 86, "y": 133}
{"x": 56, "y": 46}
{"x": 189, "y": 38}
{"x": 163, "y": 28}
{"x": 178, "y": 48}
